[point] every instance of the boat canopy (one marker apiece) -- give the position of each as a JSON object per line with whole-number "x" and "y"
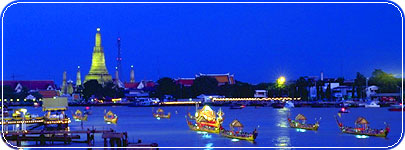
{"x": 300, "y": 117}
{"x": 54, "y": 104}
{"x": 361, "y": 120}
{"x": 236, "y": 123}
{"x": 160, "y": 110}
{"x": 110, "y": 114}
{"x": 207, "y": 113}
{"x": 78, "y": 112}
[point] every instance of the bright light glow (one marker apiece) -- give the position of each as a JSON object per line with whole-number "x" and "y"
{"x": 235, "y": 140}
{"x": 98, "y": 29}
{"x": 201, "y": 132}
{"x": 23, "y": 110}
{"x": 281, "y": 80}
{"x": 158, "y": 118}
{"x": 343, "y": 109}
{"x": 361, "y": 136}
{"x": 301, "y": 130}
{"x": 206, "y": 136}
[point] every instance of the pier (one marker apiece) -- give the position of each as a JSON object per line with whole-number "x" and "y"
{"x": 115, "y": 139}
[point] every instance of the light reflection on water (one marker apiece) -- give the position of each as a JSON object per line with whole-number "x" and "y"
{"x": 282, "y": 139}
{"x": 208, "y": 146}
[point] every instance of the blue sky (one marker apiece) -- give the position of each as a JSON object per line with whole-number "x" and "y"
{"x": 256, "y": 42}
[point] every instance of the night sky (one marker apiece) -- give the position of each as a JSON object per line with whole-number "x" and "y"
{"x": 256, "y": 42}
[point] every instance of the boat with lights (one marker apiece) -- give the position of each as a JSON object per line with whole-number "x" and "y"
{"x": 344, "y": 110}
{"x": 237, "y": 132}
{"x": 110, "y": 117}
{"x": 79, "y": 116}
{"x": 398, "y": 107}
{"x": 206, "y": 120}
{"x": 362, "y": 128}
{"x": 161, "y": 114}
{"x": 300, "y": 123}
{"x": 237, "y": 106}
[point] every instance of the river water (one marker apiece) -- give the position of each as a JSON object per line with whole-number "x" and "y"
{"x": 271, "y": 124}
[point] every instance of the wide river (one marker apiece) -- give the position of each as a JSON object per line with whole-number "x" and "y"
{"x": 271, "y": 124}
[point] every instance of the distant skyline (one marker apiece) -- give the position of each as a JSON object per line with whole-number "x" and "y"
{"x": 256, "y": 42}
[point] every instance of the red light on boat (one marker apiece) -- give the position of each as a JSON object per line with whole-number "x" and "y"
{"x": 243, "y": 106}
{"x": 400, "y": 104}
{"x": 343, "y": 109}
{"x": 87, "y": 108}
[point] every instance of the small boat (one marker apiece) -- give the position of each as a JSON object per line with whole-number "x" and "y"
{"x": 160, "y": 114}
{"x": 361, "y": 128}
{"x": 110, "y": 117}
{"x": 299, "y": 123}
{"x": 344, "y": 110}
{"x": 79, "y": 116}
{"x": 289, "y": 104}
{"x": 372, "y": 104}
{"x": 236, "y": 132}
{"x": 278, "y": 105}
{"x": 398, "y": 107}
{"x": 237, "y": 106}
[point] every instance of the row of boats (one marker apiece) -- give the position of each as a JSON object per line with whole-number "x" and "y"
{"x": 207, "y": 120}
{"x": 109, "y": 117}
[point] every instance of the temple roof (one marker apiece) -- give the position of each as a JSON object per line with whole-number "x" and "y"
{"x": 31, "y": 84}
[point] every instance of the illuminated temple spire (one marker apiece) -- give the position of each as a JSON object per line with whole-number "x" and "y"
{"x": 98, "y": 70}
{"x": 132, "y": 74}
{"x": 78, "y": 77}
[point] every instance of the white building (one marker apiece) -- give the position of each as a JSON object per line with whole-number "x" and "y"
{"x": 208, "y": 98}
{"x": 260, "y": 93}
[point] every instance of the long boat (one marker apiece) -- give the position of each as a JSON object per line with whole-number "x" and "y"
{"x": 204, "y": 128}
{"x": 241, "y": 135}
{"x": 300, "y": 125}
{"x": 363, "y": 129}
{"x": 236, "y": 132}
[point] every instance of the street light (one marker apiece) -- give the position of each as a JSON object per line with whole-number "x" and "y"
{"x": 281, "y": 80}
